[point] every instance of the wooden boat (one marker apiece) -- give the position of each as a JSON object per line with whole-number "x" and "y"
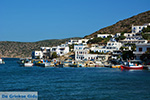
{"x": 135, "y": 64}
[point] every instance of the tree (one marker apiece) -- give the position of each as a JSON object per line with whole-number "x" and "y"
{"x": 54, "y": 55}
{"x": 121, "y": 37}
{"x": 146, "y": 29}
{"x": 146, "y": 56}
{"x": 95, "y": 40}
{"x": 127, "y": 55}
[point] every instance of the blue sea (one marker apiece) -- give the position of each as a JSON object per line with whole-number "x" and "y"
{"x": 75, "y": 83}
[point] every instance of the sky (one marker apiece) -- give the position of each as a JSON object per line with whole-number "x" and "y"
{"x": 35, "y": 20}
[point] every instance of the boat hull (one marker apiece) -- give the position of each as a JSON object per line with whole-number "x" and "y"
{"x": 131, "y": 67}
{"x": 28, "y": 64}
{"x": 45, "y": 64}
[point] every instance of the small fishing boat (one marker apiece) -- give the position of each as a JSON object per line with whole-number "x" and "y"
{"x": 2, "y": 61}
{"x": 134, "y": 64}
{"x": 45, "y": 64}
{"x": 28, "y": 64}
{"x": 25, "y": 62}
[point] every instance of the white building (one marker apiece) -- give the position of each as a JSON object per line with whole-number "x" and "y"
{"x": 117, "y": 34}
{"x": 138, "y": 29}
{"x": 46, "y": 52}
{"x": 79, "y": 47}
{"x": 81, "y": 54}
{"x": 140, "y": 49}
{"x": 84, "y": 55}
{"x": 116, "y": 54}
{"x": 130, "y": 34}
{"x": 79, "y": 41}
{"x": 104, "y": 35}
{"x": 110, "y": 47}
{"x": 60, "y": 50}
{"x": 37, "y": 55}
{"x": 133, "y": 38}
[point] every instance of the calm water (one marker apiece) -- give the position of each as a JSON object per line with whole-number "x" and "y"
{"x": 76, "y": 83}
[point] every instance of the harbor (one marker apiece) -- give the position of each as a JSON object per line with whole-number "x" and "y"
{"x": 130, "y": 65}
{"x": 68, "y": 82}
{"x": 74, "y": 50}
{"x": 130, "y": 52}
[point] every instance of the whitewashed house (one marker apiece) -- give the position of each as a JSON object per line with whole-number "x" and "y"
{"x": 104, "y": 35}
{"x": 60, "y": 50}
{"x": 116, "y": 54}
{"x": 110, "y": 47}
{"x": 79, "y": 47}
{"x": 37, "y": 55}
{"x": 79, "y": 41}
{"x": 117, "y": 35}
{"x": 133, "y": 38}
{"x": 81, "y": 54}
{"x": 138, "y": 29}
{"x": 73, "y": 41}
{"x": 141, "y": 49}
{"x": 46, "y": 52}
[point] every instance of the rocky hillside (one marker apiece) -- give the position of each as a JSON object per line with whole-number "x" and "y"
{"x": 24, "y": 49}
{"x": 124, "y": 25}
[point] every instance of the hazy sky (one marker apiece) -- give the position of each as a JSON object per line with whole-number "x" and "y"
{"x": 34, "y": 20}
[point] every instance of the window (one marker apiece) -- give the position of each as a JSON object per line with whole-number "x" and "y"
{"x": 148, "y": 49}
{"x": 80, "y": 47}
{"x": 140, "y": 49}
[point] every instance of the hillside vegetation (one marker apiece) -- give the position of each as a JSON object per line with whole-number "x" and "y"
{"x": 24, "y": 49}
{"x": 124, "y": 25}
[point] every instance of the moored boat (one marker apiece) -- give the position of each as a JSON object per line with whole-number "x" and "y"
{"x": 28, "y": 64}
{"x": 25, "y": 62}
{"x": 45, "y": 64}
{"x": 116, "y": 66}
{"x": 134, "y": 64}
{"x": 2, "y": 61}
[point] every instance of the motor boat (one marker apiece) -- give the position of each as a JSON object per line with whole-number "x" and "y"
{"x": 133, "y": 64}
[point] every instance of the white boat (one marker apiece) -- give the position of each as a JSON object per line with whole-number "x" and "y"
{"x": 25, "y": 63}
{"x": 2, "y": 61}
{"x": 28, "y": 64}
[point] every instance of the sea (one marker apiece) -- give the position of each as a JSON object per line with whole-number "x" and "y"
{"x": 75, "y": 83}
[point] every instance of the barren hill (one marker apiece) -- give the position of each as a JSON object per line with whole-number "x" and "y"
{"x": 24, "y": 49}
{"x": 124, "y": 25}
